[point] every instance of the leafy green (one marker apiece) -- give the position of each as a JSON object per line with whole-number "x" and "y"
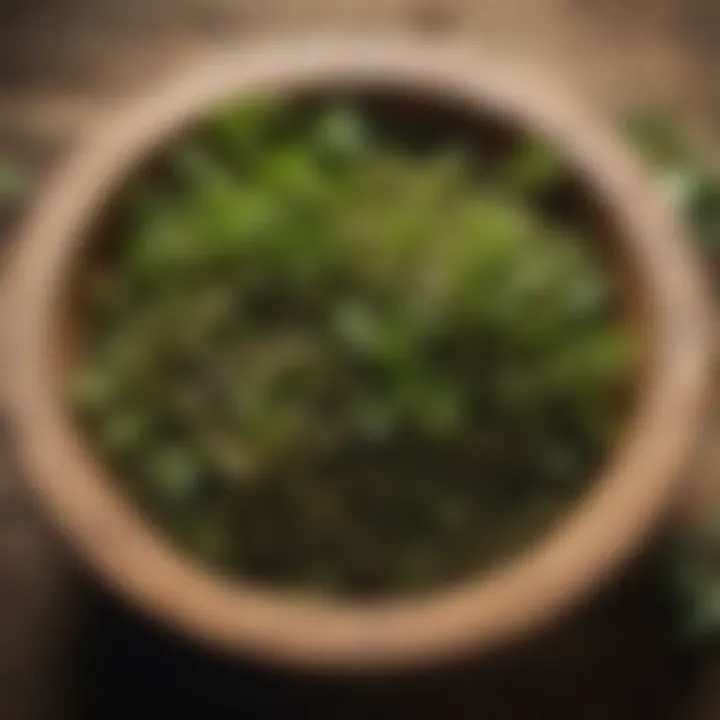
{"x": 326, "y": 356}
{"x": 684, "y": 171}
{"x": 13, "y": 181}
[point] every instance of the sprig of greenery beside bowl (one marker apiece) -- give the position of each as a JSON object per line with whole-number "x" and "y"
{"x": 690, "y": 180}
{"x": 694, "y": 185}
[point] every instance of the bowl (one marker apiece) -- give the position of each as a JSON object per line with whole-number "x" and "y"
{"x": 627, "y": 501}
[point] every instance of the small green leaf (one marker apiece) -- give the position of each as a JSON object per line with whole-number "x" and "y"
{"x": 238, "y": 134}
{"x": 375, "y": 419}
{"x": 697, "y": 594}
{"x": 13, "y": 181}
{"x": 92, "y": 387}
{"x": 123, "y": 431}
{"x": 533, "y": 167}
{"x": 704, "y": 210}
{"x": 659, "y": 137}
{"x": 354, "y": 324}
{"x": 341, "y": 134}
{"x": 175, "y": 472}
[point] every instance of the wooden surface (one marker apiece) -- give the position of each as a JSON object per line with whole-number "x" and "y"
{"x": 62, "y": 63}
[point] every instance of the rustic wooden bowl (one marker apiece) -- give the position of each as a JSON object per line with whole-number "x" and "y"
{"x": 626, "y": 503}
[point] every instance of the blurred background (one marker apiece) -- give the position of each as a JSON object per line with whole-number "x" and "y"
{"x": 69, "y": 651}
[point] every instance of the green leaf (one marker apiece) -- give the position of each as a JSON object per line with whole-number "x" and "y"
{"x": 175, "y": 472}
{"x": 127, "y": 430}
{"x": 659, "y": 137}
{"x": 238, "y": 134}
{"x": 437, "y": 408}
{"x": 93, "y": 386}
{"x": 697, "y": 594}
{"x": 533, "y": 167}
{"x": 341, "y": 134}
{"x": 355, "y": 325}
{"x": 704, "y": 210}
{"x": 375, "y": 419}
{"x": 13, "y": 181}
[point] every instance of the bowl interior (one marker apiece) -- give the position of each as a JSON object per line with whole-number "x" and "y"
{"x": 422, "y": 121}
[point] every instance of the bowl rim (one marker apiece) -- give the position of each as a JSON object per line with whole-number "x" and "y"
{"x": 627, "y": 502}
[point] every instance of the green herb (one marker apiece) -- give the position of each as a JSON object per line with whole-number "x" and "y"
{"x": 684, "y": 172}
{"x": 13, "y": 182}
{"x": 330, "y": 357}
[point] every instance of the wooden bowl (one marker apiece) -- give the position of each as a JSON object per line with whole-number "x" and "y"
{"x": 625, "y": 504}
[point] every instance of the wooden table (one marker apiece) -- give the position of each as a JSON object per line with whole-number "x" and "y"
{"x": 64, "y": 646}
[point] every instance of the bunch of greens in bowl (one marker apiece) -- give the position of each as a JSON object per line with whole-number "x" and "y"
{"x": 327, "y": 356}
